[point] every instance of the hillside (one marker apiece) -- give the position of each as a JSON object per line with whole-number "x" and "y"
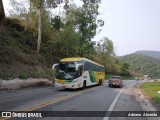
{"x": 154, "y": 54}
{"x": 17, "y": 54}
{"x": 143, "y": 64}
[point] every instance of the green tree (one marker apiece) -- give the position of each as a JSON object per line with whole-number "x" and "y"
{"x": 56, "y": 22}
{"x": 125, "y": 69}
{"x": 106, "y": 56}
{"x": 69, "y": 40}
{"x": 126, "y": 65}
{"x": 86, "y": 23}
{"x": 105, "y": 46}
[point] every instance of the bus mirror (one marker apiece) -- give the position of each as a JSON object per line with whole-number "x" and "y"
{"x": 54, "y": 66}
{"x": 77, "y": 66}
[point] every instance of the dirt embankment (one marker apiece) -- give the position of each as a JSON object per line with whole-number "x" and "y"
{"x": 19, "y": 83}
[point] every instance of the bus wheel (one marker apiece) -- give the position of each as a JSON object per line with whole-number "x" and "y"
{"x": 84, "y": 85}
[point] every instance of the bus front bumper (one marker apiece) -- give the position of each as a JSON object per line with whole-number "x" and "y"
{"x": 71, "y": 86}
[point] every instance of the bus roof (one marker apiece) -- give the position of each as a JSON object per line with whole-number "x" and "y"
{"x": 74, "y": 59}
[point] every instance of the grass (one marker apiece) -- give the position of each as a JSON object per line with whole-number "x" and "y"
{"x": 47, "y": 73}
{"x": 151, "y": 89}
{"x": 27, "y": 74}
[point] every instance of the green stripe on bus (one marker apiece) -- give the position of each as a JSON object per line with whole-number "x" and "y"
{"x": 92, "y": 76}
{"x": 68, "y": 80}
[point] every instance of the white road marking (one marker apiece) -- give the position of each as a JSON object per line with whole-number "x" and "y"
{"x": 113, "y": 104}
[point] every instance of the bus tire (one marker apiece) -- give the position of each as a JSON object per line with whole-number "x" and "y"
{"x": 84, "y": 85}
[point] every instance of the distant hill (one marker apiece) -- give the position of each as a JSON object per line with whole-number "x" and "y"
{"x": 143, "y": 64}
{"x": 154, "y": 54}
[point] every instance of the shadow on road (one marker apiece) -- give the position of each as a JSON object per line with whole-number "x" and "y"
{"x": 124, "y": 85}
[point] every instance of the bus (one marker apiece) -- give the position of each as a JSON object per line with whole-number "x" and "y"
{"x": 78, "y": 72}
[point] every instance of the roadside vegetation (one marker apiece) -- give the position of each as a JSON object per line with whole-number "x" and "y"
{"x": 123, "y": 77}
{"x": 128, "y": 77}
{"x": 38, "y": 35}
{"x": 151, "y": 89}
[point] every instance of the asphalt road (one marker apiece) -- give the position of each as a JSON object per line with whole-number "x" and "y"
{"x": 96, "y": 98}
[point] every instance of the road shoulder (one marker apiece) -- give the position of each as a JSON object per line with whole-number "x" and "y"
{"x": 19, "y": 83}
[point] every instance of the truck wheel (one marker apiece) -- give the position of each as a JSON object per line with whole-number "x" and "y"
{"x": 120, "y": 86}
{"x": 100, "y": 82}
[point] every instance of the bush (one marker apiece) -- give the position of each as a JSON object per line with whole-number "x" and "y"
{"x": 46, "y": 73}
{"x": 24, "y": 75}
{"x": 28, "y": 74}
{"x": 6, "y": 76}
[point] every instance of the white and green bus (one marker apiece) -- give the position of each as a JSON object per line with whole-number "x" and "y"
{"x": 78, "y": 72}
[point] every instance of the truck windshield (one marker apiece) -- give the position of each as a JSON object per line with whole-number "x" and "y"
{"x": 116, "y": 77}
{"x": 66, "y": 70}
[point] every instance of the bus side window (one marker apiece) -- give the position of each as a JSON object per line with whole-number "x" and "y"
{"x": 87, "y": 66}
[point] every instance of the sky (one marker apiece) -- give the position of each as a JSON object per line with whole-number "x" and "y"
{"x": 132, "y": 25}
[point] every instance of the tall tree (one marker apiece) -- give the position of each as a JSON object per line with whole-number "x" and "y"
{"x": 85, "y": 22}
{"x": 40, "y": 7}
{"x": 88, "y": 22}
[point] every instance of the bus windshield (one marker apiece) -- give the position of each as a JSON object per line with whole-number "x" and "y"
{"x": 66, "y": 70}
